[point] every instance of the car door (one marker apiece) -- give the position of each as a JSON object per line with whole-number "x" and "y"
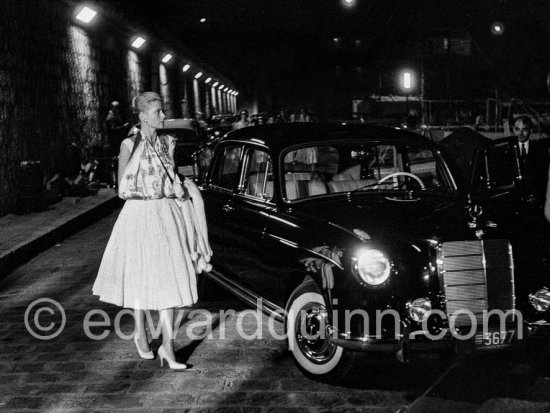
{"x": 218, "y": 196}
{"x": 245, "y": 222}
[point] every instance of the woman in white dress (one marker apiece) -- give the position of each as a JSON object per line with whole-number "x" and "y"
{"x": 159, "y": 241}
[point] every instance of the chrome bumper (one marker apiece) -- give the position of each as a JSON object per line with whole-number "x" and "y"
{"x": 417, "y": 341}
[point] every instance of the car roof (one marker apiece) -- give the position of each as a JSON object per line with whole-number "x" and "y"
{"x": 181, "y": 123}
{"x": 281, "y": 135}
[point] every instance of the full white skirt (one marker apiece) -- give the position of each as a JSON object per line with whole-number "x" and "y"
{"x": 146, "y": 264}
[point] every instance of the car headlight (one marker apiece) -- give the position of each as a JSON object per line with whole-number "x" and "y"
{"x": 419, "y": 309}
{"x": 372, "y": 266}
{"x": 540, "y": 300}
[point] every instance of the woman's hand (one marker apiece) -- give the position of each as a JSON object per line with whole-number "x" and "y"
{"x": 192, "y": 188}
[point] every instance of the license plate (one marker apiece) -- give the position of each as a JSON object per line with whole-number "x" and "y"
{"x": 495, "y": 338}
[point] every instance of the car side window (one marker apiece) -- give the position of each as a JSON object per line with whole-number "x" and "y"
{"x": 422, "y": 164}
{"x": 226, "y": 169}
{"x": 305, "y": 170}
{"x": 204, "y": 157}
{"x": 259, "y": 175}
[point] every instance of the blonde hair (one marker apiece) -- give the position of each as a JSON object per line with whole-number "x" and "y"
{"x": 144, "y": 100}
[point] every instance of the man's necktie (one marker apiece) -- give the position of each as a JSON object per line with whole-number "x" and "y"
{"x": 523, "y": 151}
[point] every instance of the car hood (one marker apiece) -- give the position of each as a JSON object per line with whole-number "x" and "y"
{"x": 425, "y": 216}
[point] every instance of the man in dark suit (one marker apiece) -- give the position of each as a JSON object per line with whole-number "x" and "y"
{"x": 531, "y": 255}
{"x": 534, "y": 160}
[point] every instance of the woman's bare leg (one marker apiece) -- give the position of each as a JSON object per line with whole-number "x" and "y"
{"x": 167, "y": 327}
{"x": 141, "y": 332}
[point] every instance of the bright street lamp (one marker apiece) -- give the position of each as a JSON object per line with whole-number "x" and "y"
{"x": 198, "y": 75}
{"x": 167, "y": 57}
{"x": 497, "y": 28}
{"x": 407, "y": 81}
{"x": 186, "y": 68}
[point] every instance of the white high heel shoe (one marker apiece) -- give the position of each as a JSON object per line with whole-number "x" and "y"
{"x": 147, "y": 355}
{"x": 173, "y": 364}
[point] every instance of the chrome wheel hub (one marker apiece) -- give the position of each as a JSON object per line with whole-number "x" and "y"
{"x": 312, "y": 333}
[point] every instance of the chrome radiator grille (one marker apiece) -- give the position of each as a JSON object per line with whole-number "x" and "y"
{"x": 477, "y": 276}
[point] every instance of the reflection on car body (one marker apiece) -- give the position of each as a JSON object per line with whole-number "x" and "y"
{"x": 323, "y": 220}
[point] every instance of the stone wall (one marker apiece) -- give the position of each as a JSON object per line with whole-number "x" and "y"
{"x": 56, "y": 82}
{"x": 57, "y": 79}
{"x": 35, "y": 91}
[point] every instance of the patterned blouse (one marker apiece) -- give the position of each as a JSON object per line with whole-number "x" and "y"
{"x": 145, "y": 176}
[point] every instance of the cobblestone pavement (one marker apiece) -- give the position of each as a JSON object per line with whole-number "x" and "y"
{"x": 73, "y": 372}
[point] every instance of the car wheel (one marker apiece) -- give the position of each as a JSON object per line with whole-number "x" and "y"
{"x": 308, "y": 336}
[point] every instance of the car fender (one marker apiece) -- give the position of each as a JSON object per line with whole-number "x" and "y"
{"x": 319, "y": 265}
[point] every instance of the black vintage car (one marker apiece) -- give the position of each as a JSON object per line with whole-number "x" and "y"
{"x": 359, "y": 239}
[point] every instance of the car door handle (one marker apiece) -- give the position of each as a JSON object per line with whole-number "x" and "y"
{"x": 228, "y": 208}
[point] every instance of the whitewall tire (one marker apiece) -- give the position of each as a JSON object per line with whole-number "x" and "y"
{"x": 308, "y": 336}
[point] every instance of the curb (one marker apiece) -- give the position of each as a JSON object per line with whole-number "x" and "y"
{"x": 22, "y": 253}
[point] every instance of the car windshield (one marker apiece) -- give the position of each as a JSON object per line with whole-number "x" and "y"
{"x": 320, "y": 169}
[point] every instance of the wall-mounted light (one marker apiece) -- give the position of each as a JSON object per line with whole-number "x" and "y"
{"x": 198, "y": 75}
{"x": 226, "y": 89}
{"x": 167, "y": 57}
{"x": 203, "y": 20}
{"x": 236, "y": 93}
{"x": 215, "y": 84}
{"x": 138, "y": 42}
{"x": 186, "y": 68}
{"x": 86, "y": 15}
{"x": 208, "y": 80}
{"x": 221, "y": 87}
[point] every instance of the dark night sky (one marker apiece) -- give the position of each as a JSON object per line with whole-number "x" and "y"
{"x": 275, "y": 43}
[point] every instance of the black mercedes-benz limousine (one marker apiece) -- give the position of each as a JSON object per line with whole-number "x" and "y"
{"x": 358, "y": 238}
